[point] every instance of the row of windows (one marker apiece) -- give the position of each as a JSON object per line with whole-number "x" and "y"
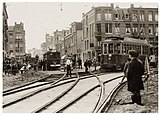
{"x": 116, "y": 48}
{"x": 135, "y": 16}
{"x": 108, "y": 28}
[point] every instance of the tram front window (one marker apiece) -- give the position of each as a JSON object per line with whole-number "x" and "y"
{"x": 116, "y": 48}
{"x": 110, "y": 48}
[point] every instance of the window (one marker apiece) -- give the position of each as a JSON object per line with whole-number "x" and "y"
{"x": 117, "y": 48}
{"x": 127, "y": 16}
{"x": 10, "y": 36}
{"x": 11, "y": 45}
{"x": 18, "y": 36}
{"x": 150, "y": 16}
{"x": 110, "y": 48}
{"x": 117, "y": 30}
{"x": 141, "y": 16}
{"x": 99, "y": 28}
{"x": 142, "y": 31}
{"x": 150, "y": 30}
{"x": 86, "y": 20}
{"x": 134, "y": 17}
{"x": 128, "y": 29}
{"x": 105, "y": 48}
{"x": 108, "y": 27}
{"x": 135, "y": 28}
{"x": 156, "y": 16}
{"x": 116, "y": 16}
{"x": 108, "y": 16}
{"x": 87, "y": 32}
{"x": 124, "y": 49}
{"x": 98, "y": 17}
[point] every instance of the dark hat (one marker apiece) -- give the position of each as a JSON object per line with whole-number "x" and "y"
{"x": 133, "y": 53}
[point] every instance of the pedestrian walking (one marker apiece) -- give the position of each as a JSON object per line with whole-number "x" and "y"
{"x": 125, "y": 69}
{"x": 79, "y": 63}
{"x": 89, "y": 63}
{"x": 86, "y": 66}
{"x": 94, "y": 62}
{"x": 134, "y": 77}
{"x": 68, "y": 66}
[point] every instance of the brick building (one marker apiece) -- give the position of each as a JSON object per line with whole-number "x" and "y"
{"x": 104, "y": 21}
{"x": 5, "y": 29}
{"x": 16, "y": 41}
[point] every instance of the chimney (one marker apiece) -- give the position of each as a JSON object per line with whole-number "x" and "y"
{"x": 112, "y": 5}
{"x": 132, "y": 5}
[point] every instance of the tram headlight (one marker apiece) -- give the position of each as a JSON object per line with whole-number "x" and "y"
{"x": 110, "y": 55}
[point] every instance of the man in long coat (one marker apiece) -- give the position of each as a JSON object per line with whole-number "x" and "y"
{"x": 134, "y": 77}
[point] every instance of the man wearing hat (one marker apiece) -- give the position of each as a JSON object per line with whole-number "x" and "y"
{"x": 134, "y": 77}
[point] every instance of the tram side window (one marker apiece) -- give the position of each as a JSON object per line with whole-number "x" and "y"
{"x": 145, "y": 50}
{"x": 105, "y": 48}
{"x": 133, "y": 47}
{"x": 116, "y": 48}
{"x": 127, "y": 48}
{"x": 110, "y": 48}
{"x": 124, "y": 49}
{"x": 139, "y": 49}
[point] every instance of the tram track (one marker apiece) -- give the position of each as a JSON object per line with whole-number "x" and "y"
{"x": 30, "y": 85}
{"x": 41, "y": 86}
{"x": 44, "y": 106}
{"x": 101, "y": 98}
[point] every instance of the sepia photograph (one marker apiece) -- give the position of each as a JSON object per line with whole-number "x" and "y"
{"x": 79, "y": 57}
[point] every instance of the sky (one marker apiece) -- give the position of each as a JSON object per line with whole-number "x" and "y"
{"x": 40, "y": 17}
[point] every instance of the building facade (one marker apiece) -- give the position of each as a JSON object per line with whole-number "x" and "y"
{"x": 5, "y": 30}
{"x": 72, "y": 40}
{"x": 49, "y": 42}
{"x": 144, "y": 22}
{"x": 57, "y": 40}
{"x": 16, "y": 41}
{"x": 102, "y": 22}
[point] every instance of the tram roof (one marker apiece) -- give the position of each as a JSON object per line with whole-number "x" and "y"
{"x": 126, "y": 40}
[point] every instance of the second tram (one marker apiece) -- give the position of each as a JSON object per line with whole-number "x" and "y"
{"x": 52, "y": 60}
{"x": 115, "y": 51}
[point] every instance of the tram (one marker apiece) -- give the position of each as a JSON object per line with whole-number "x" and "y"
{"x": 52, "y": 60}
{"x": 115, "y": 51}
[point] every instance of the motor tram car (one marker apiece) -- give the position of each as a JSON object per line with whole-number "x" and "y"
{"x": 115, "y": 51}
{"x": 52, "y": 60}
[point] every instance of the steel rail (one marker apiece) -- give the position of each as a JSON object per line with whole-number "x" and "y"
{"x": 101, "y": 93}
{"x": 29, "y": 83}
{"x": 42, "y": 89}
{"x": 57, "y": 98}
{"x": 34, "y": 92}
{"x": 18, "y": 90}
{"x": 82, "y": 95}
{"x": 108, "y": 100}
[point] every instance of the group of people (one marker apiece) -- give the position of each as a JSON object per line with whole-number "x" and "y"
{"x": 71, "y": 64}
{"x": 87, "y": 64}
{"x": 133, "y": 71}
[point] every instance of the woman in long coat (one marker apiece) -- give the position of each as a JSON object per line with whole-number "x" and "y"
{"x": 134, "y": 77}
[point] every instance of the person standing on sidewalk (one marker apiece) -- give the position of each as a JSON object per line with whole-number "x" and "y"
{"x": 68, "y": 66}
{"x": 86, "y": 66}
{"x": 134, "y": 77}
{"x": 79, "y": 63}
